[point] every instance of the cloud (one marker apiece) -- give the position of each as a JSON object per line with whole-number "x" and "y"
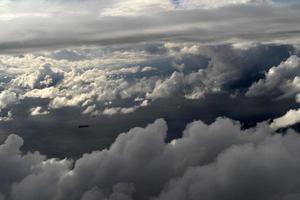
{"x": 7, "y": 98}
{"x": 41, "y": 78}
{"x": 136, "y": 7}
{"x": 19, "y": 166}
{"x": 32, "y": 8}
{"x": 228, "y": 68}
{"x": 292, "y": 117}
{"x": 118, "y": 57}
{"x": 169, "y": 87}
{"x": 263, "y": 171}
{"x": 117, "y": 110}
{"x": 49, "y": 92}
{"x": 38, "y": 111}
{"x": 215, "y": 161}
{"x": 191, "y": 86}
{"x": 235, "y": 23}
{"x": 7, "y": 117}
{"x": 97, "y": 87}
{"x": 209, "y": 4}
{"x": 280, "y": 81}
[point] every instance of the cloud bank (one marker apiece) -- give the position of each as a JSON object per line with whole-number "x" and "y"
{"x": 216, "y": 161}
{"x": 39, "y": 27}
{"x": 102, "y": 85}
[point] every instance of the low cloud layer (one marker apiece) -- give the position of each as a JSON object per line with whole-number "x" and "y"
{"x": 105, "y": 86}
{"x": 216, "y": 161}
{"x": 133, "y": 85}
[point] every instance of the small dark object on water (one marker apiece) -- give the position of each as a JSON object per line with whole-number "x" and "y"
{"x": 83, "y": 126}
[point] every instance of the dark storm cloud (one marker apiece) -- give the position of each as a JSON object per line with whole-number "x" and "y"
{"x": 216, "y": 161}
{"x": 231, "y": 24}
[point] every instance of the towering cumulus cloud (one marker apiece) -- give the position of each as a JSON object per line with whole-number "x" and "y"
{"x": 216, "y": 161}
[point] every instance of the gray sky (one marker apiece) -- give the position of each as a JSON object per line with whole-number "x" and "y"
{"x": 38, "y": 24}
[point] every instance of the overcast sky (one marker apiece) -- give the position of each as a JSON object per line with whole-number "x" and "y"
{"x": 38, "y": 24}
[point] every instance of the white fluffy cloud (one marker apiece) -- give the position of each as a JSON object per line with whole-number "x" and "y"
{"x": 290, "y": 118}
{"x": 94, "y": 86}
{"x": 43, "y": 77}
{"x": 281, "y": 81}
{"x": 98, "y": 85}
{"x": 38, "y": 111}
{"x": 243, "y": 172}
{"x": 85, "y": 89}
{"x": 7, "y": 98}
{"x": 76, "y": 83}
{"x": 214, "y": 161}
{"x": 191, "y": 86}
